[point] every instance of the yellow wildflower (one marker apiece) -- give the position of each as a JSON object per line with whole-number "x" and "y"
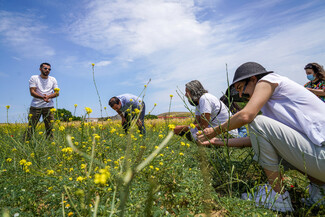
{"x": 50, "y": 172}
{"x": 80, "y": 179}
{"x": 62, "y": 128}
{"x": 22, "y": 162}
{"x": 70, "y": 213}
{"x": 52, "y": 110}
{"x": 56, "y": 90}
{"x": 171, "y": 96}
{"x": 75, "y": 105}
{"x": 192, "y": 126}
{"x": 7, "y": 106}
{"x": 88, "y": 110}
{"x": 9, "y": 160}
{"x": 93, "y": 64}
{"x": 171, "y": 126}
{"x": 181, "y": 154}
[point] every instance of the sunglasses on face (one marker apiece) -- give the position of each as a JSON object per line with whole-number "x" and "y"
{"x": 45, "y": 68}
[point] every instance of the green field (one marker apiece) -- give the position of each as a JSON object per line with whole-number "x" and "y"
{"x": 97, "y": 170}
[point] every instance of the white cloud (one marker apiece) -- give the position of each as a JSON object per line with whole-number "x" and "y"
{"x": 137, "y": 28}
{"x": 103, "y": 63}
{"x": 24, "y": 33}
{"x": 173, "y": 47}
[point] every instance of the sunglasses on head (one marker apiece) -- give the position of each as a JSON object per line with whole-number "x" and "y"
{"x": 47, "y": 68}
{"x": 309, "y": 66}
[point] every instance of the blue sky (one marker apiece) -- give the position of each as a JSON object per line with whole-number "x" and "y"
{"x": 172, "y": 42}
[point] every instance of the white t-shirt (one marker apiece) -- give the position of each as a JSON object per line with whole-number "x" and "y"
{"x": 296, "y": 107}
{"x": 43, "y": 86}
{"x": 212, "y": 105}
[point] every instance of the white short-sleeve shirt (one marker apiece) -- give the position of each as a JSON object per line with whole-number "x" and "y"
{"x": 218, "y": 111}
{"x": 296, "y": 107}
{"x": 43, "y": 86}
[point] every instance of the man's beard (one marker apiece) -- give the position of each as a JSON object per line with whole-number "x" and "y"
{"x": 192, "y": 102}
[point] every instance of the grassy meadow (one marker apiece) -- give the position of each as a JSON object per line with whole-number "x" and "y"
{"x": 94, "y": 169}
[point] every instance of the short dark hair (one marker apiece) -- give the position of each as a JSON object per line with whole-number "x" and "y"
{"x": 44, "y": 64}
{"x": 196, "y": 89}
{"x": 114, "y": 100}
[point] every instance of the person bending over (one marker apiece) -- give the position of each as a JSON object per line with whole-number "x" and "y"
{"x": 129, "y": 107}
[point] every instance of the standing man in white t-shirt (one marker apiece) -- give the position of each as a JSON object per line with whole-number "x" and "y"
{"x": 209, "y": 111}
{"x": 42, "y": 88}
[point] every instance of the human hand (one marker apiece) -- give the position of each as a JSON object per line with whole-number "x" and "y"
{"x": 178, "y": 129}
{"x": 46, "y": 98}
{"x": 213, "y": 141}
{"x": 206, "y": 134}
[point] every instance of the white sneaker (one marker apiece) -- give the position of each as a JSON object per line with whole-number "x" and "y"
{"x": 266, "y": 197}
{"x": 316, "y": 195}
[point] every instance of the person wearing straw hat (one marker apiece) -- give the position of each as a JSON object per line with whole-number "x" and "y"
{"x": 291, "y": 131}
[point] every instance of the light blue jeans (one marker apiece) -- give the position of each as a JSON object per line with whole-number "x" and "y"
{"x": 273, "y": 141}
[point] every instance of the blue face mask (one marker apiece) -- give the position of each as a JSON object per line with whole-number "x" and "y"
{"x": 310, "y": 77}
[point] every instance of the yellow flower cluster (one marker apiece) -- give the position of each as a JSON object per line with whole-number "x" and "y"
{"x": 137, "y": 111}
{"x": 50, "y": 172}
{"x": 96, "y": 137}
{"x": 67, "y": 150}
{"x": 62, "y": 128}
{"x": 7, "y": 106}
{"x": 171, "y": 126}
{"x": 25, "y": 164}
{"x": 52, "y": 110}
{"x": 102, "y": 176}
{"x": 88, "y": 110}
{"x": 56, "y": 90}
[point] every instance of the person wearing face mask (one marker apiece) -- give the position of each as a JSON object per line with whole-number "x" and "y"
{"x": 287, "y": 133}
{"x": 316, "y": 76}
{"x": 209, "y": 111}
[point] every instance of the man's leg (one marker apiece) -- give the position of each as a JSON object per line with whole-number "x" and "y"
{"x": 127, "y": 123}
{"x": 48, "y": 116}
{"x": 272, "y": 140}
{"x": 141, "y": 126}
{"x": 33, "y": 118}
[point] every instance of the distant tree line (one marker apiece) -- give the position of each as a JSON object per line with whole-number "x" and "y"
{"x": 65, "y": 115}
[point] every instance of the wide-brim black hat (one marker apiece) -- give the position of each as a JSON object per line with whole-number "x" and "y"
{"x": 243, "y": 72}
